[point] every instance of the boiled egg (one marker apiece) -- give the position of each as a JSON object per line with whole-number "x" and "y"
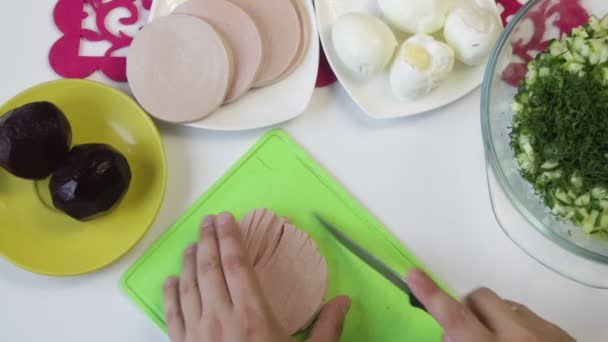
{"x": 364, "y": 43}
{"x": 414, "y": 16}
{"x": 472, "y": 33}
{"x": 421, "y": 63}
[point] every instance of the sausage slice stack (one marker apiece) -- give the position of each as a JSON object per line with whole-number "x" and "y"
{"x": 292, "y": 272}
{"x": 208, "y": 53}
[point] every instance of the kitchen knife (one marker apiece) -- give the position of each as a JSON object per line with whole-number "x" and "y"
{"x": 372, "y": 261}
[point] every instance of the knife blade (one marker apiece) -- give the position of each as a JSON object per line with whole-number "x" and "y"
{"x": 372, "y": 261}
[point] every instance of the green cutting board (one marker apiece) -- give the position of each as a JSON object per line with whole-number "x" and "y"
{"x": 277, "y": 174}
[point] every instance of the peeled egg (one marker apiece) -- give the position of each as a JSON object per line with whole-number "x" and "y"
{"x": 364, "y": 44}
{"x": 472, "y": 33}
{"x": 414, "y": 16}
{"x": 420, "y": 65}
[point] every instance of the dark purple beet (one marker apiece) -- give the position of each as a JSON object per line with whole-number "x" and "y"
{"x": 91, "y": 181}
{"x": 34, "y": 139}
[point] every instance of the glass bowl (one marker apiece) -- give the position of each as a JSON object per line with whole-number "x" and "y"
{"x": 523, "y": 217}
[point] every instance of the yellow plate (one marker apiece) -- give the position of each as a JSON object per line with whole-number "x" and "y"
{"x": 41, "y": 239}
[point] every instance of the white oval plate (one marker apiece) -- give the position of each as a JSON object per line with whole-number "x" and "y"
{"x": 267, "y": 106}
{"x": 375, "y": 96}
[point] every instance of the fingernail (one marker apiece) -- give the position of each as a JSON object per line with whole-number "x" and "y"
{"x": 171, "y": 282}
{"x": 417, "y": 278}
{"x": 346, "y": 305}
{"x": 191, "y": 249}
{"x": 224, "y": 218}
{"x": 208, "y": 221}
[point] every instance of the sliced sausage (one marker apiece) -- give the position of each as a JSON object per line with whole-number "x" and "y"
{"x": 292, "y": 272}
{"x": 179, "y": 68}
{"x": 273, "y": 236}
{"x": 294, "y": 280}
{"x": 280, "y": 28}
{"x": 260, "y": 235}
{"x": 241, "y": 34}
{"x": 255, "y": 223}
{"x": 304, "y": 36}
{"x": 245, "y": 223}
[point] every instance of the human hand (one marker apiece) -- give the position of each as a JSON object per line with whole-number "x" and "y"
{"x": 218, "y": 297}
{"x": 483, "y": 316}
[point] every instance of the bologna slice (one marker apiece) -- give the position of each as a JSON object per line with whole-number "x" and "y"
{"x": 280, "y": 29}
{"x": 304, "y": 38}
{"x": 240, "y": 32}
{"x": 179, "y": 68}
{"x": 292, "y": 272}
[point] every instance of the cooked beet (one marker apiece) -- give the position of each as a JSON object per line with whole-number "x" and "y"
{"x": 91, "y": 181}
{"x": 34, "y": 139}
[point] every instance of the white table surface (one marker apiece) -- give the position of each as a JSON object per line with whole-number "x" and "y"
{"x": 424, "y": 177}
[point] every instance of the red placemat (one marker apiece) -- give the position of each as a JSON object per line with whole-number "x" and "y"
{"x": 67, "y": 60}
{"x": 72, "y": 16}
{"x": 571, "y": 14}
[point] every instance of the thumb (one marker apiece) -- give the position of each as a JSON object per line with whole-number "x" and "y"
{"x": 331, "y": 321}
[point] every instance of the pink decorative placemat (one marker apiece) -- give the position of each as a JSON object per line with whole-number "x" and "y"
{"x": 66, "y": 57}
{"x": 571, "y": 14}
{"x": 68, "y": 60}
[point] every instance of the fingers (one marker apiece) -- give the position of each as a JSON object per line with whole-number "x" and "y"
{"x": 458, "y": 321}
{"x": 211, "y": 282}
{"x": 238, "y": 270}
{"x": 330, "y": 323}
{"x": 188, "y": 288}
{"x": 522, "y": 311}
{"x": 173, "y": 311}
{"x": 529, "y": 319}
{"x": 523, "y": 315}
{"x": 491, "y": 310}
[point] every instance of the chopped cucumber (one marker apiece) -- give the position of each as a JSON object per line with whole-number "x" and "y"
{"x": 516, "y": 107}
{"x": 595, "y": 24}
{"x": 549, "y": 165}
{"x": 583, "y": 200}
{"x": 604, "y": 23}
{"x": 575, "y": 67}
{"x": 580, "y": 32}
{"x": 572, "y": 194}
{"x": 604, "y": 221}
{"x": 532, "y": 75}
{"x": 575, "y": 192}
{"x": 559, "y": 210}
{"x": 524, "y": 143}
{"x": 598, "y": 193}
{"x": 557, "y": 48}
{"x": 589, "y": 224}
{"x": 525, "y": 162}
{"x": 569, "y": 214}
{"x": 543, "y": 72}
{"x": 576, "y": 181}
{"x": 562, "y": 196}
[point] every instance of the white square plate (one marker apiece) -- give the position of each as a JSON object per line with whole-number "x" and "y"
{"x": 375, "y": 96}
{"x": 267, "y": 106}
